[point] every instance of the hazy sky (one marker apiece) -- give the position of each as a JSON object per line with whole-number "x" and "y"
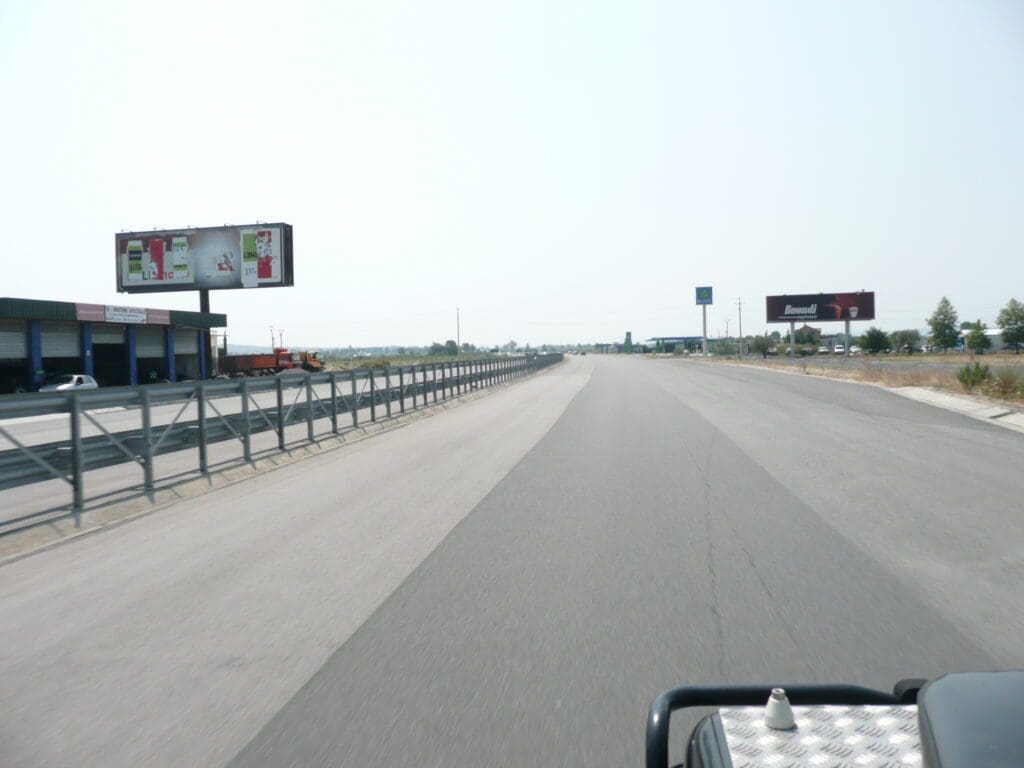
{"x": 562, "y": 171}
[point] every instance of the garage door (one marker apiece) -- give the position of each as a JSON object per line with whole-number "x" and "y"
{"x": 149, "y": 342}
{"x": 12, "y": 339}
{"x": 61, "y": 339}
{"x": 186, "y": 341}
{"x": 108, "y": 334}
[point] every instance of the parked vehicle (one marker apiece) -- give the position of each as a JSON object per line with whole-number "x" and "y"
{"x": 70, "y": 381}
{"x": 839, "y": 349}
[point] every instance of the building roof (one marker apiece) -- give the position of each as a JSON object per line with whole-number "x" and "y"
{"x": 36, "y": 309}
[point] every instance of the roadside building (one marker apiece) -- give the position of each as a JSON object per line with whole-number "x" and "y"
{"x": 669, "y": 343}
{"x": 115, "y": 345}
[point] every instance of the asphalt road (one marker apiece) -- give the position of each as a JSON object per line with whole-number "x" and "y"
{"x": 517, "y": 595}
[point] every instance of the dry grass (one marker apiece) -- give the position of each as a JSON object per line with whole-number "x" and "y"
{"x": 1007, "y": 383}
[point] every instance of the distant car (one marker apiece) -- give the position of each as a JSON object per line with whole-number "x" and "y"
{"x": 839, "y": 349}
{"x": 70, "y": 381}
{"x": 855, "y": 350}
{"x": 822, "y": 350}
{"x": 583, "y": 353}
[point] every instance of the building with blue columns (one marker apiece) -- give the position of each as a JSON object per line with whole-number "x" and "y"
{"x": 116, "y": 345}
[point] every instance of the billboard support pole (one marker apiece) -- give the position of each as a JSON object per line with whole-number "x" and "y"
{"x": 792, "y": 338}
{"x": 846, "y": 339}
{"x": 704, "y": 343}
{"x": 204, "y": 306}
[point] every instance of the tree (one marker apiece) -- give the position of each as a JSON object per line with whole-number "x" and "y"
{"x": 905, "y": 341}
{"x": 436, "y": 349}
{"x": 977, "y": 340}
{"x": 875, "y": 340}
{"x": 627, "y": 346}
{"x": 467, "y": 347}
{"x": 760, "y": 345}
{"x": 943, "y": 324}
{"x": 451, "y": 348}
{"x": 1011, "y": 320}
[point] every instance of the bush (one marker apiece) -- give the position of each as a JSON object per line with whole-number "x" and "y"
{"x": 1007, "y": 382}
{"x": 973, "y": 375}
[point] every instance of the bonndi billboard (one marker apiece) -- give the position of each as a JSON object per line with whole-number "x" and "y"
{"x": 207, "y": 258}
{"x": 820, "y": 306}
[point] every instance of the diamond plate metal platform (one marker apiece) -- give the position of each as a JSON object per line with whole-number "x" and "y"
{"x": 825, "y": 737}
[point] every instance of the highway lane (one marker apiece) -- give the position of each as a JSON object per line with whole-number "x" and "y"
{"x": 171, "y": 640}
{"x": 657, "y": 522}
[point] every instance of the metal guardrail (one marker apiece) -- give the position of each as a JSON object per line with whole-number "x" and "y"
{"x": 296, "y": 400}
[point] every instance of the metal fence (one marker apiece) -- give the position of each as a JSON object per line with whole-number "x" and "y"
{"x": 196, "y": 415}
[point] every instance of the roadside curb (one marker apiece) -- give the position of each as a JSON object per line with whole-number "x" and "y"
{"x": 47, "y": 534}
{"x": 988, "y": 411}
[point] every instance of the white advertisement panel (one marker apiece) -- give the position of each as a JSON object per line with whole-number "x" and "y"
{"x": 214, "y": 258}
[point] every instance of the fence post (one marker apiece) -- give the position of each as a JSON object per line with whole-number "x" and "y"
{"x": 246, "y": 425}
{"x": 401, "y": 389}
{"x": 334, "y": 403}
{"x": 77, "y": 460}
{"x": 309, "y": 407}
{"x": 355, "y": 399}
{"x": 201, "y": 414}
{"x": 387, "y": 388}
{"x": 433, "y": 380}
{"x": 413, "y": 372}
{"x": 280, "y": 413}
{"x": 373, "y": 398}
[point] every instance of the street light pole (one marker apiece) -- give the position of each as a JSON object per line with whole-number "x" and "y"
{"x": 458, "y": 332}
{"x": 739, "y": 305}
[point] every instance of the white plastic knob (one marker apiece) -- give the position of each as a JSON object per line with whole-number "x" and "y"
{"x": 778, "y": 715}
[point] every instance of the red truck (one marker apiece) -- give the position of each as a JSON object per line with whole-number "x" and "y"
{"x": 261, "y": 365}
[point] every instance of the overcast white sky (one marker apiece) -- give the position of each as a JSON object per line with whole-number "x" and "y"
{"x": 562, "y": 171}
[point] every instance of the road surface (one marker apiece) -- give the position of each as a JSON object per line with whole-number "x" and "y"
{"x": 512, "y": 581}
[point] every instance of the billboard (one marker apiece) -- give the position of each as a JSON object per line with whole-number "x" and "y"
{"x": 704, "y": 295}
{"x": 821, "y": 307}
{"x": 207, "y": 258}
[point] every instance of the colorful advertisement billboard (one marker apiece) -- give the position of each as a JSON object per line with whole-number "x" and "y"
{"x": 803, "y": 307}
{"x": 208, "y": 258}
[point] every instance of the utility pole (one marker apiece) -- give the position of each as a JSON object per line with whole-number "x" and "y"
{"x": 739, "y": 306}
{"x": 458, "y": 332}
{"x": 271, "y": 338}
{"x": 280, "y": 337}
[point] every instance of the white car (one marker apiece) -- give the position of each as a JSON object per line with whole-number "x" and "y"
{"x": 822, "y": 350}
{"x": 70, "y": 381}
{"x": 839, "y": 349}
{"x": 855, "y": 350}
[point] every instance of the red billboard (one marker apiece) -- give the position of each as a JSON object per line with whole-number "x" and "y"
{"x": 803, "y": 307}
